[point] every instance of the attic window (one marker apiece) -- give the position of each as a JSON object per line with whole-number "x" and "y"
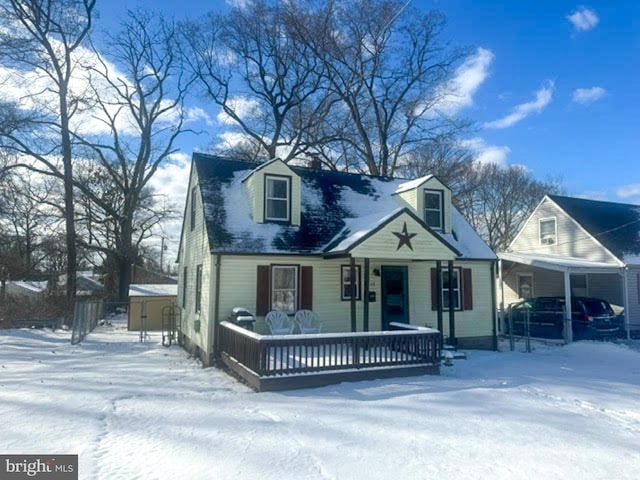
{"x": 433, "y": 209}
{"x": 277, "y": 201}
{"x": 548, "y": 231}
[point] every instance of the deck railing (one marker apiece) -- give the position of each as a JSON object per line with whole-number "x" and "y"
{"x": 261, "y": 359}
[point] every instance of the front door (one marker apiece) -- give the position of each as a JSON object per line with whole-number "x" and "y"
{"x": 395, "y": 295}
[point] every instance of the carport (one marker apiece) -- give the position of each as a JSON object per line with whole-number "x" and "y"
{"x": 612, "y": 280}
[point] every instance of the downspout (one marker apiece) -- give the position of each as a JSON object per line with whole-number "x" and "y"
{"x": 493, "y": 305}
{"x": 216, "y": 310}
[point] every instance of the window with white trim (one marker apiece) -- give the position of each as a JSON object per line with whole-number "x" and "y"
{"x": 548, "y": 231}
{"x": 346, "y": 282}
{"x": 277, "y": 198}
{"x": 455, "y": 285}
{"x": 433, "y": 208}
{"x": 284, "y": 288}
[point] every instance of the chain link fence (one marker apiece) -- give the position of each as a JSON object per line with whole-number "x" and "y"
{"x": 86, "y": 316}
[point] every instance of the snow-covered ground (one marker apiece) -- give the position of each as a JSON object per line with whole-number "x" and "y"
{"x": 135, "y": 410}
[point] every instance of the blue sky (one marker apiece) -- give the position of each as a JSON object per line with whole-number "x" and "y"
{"x": 551, "y": 85}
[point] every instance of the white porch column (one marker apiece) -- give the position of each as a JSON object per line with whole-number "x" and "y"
{"x": 501, "y": 280}
{"x": 568, "y": 328}
{"x": 625, "y": 278}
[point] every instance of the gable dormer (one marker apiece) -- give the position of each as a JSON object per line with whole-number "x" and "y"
{"x": 431, "y": 200}
{"x": 274, "y": 193}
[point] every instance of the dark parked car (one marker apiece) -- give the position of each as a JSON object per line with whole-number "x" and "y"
{"x": 591, "y": 318}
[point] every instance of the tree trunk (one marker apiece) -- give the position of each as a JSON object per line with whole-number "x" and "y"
{"x": 69, "y": 208}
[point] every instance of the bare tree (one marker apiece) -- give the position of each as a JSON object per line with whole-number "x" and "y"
{"x": 268, "y": 85}
{"x": 449, "y": 160}
{"x": 44, "y": 36}
{"x": 27, "y": 217}
{"x": 141, "y": 112}
{"x": 386, "y": 64}
{"x": 500, "y": 200}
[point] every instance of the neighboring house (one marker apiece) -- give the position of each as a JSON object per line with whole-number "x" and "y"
{"x": 26, "y": 288}
{"x": 87, "y": 285}
{"x": 577, "y": 247}
{"x": 148, "y": 303}
{"x": 360, "y": 251}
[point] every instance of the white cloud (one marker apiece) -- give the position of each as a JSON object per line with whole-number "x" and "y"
{"x": 585, "y": 96}
{"x": 467, "y": 79}
{"x": 543, "y": 97}
{"x": 242, "y": 106}
{"x": 583, "y": 19}
{"x": 484, "y": 153}
{"x": 631, "y": 190}
{"x": 242, "y": 4}
{"x": 593, "y": 195}
{"x": 196, "y": 114}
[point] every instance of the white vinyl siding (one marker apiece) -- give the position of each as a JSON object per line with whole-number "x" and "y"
{"x": 574, "y": 241}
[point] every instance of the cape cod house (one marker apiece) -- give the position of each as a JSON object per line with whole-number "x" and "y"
{"x": 577, "y": 247}
{"x": 361, "y": 252}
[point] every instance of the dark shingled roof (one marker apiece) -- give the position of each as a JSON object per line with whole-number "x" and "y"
{"x": 615, "y": 225}
{"x": 330, "y": 201}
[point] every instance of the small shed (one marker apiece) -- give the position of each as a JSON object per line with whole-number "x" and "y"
{"x": 150, "y": 300}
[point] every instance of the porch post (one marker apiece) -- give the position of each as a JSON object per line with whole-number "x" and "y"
{"x": 568, "y": 331}
{"x": 365, "y": 297}
{"x": 439, "y": 297}
{"x": 625, "y": 277}
{"x": 352, "y": 275}
{"x": 215, "y": 328}
{"x": 501, "y": 280}
{"x": 452, "y": 308}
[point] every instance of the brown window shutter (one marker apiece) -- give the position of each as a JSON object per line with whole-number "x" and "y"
{"x": 263, "y": 290}
{"x": 467, "y": 290}
{"x": 306, "y": 288}
{"x": 434, "y": 289}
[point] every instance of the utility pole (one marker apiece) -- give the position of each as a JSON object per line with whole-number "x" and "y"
{"x": 163, "y": 247}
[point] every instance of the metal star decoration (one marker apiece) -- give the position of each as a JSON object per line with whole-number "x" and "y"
{"x": 404, "y": 238}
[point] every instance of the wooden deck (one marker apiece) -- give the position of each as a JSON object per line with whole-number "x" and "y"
{"x": 282, "y": 362}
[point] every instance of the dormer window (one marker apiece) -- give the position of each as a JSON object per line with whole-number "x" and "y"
{"x": 434, "y": 209}
{"x": 277, "y": 199}
{"x": 548, "y": 231}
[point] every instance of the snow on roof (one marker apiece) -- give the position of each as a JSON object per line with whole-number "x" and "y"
{"x": 30, "y": 285}
{"x": 411, "y": 184}
{"x": 466, "y": 240}
{"x": 337, "y": 209}
{"x": 358, "y": 227}
{"x": 557, "y": 262}
{"x": 153, "y": 290}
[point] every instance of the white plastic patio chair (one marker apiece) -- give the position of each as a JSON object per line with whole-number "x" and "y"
{"x": 308, "y": 321}
{"x": 279, "y": 322}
